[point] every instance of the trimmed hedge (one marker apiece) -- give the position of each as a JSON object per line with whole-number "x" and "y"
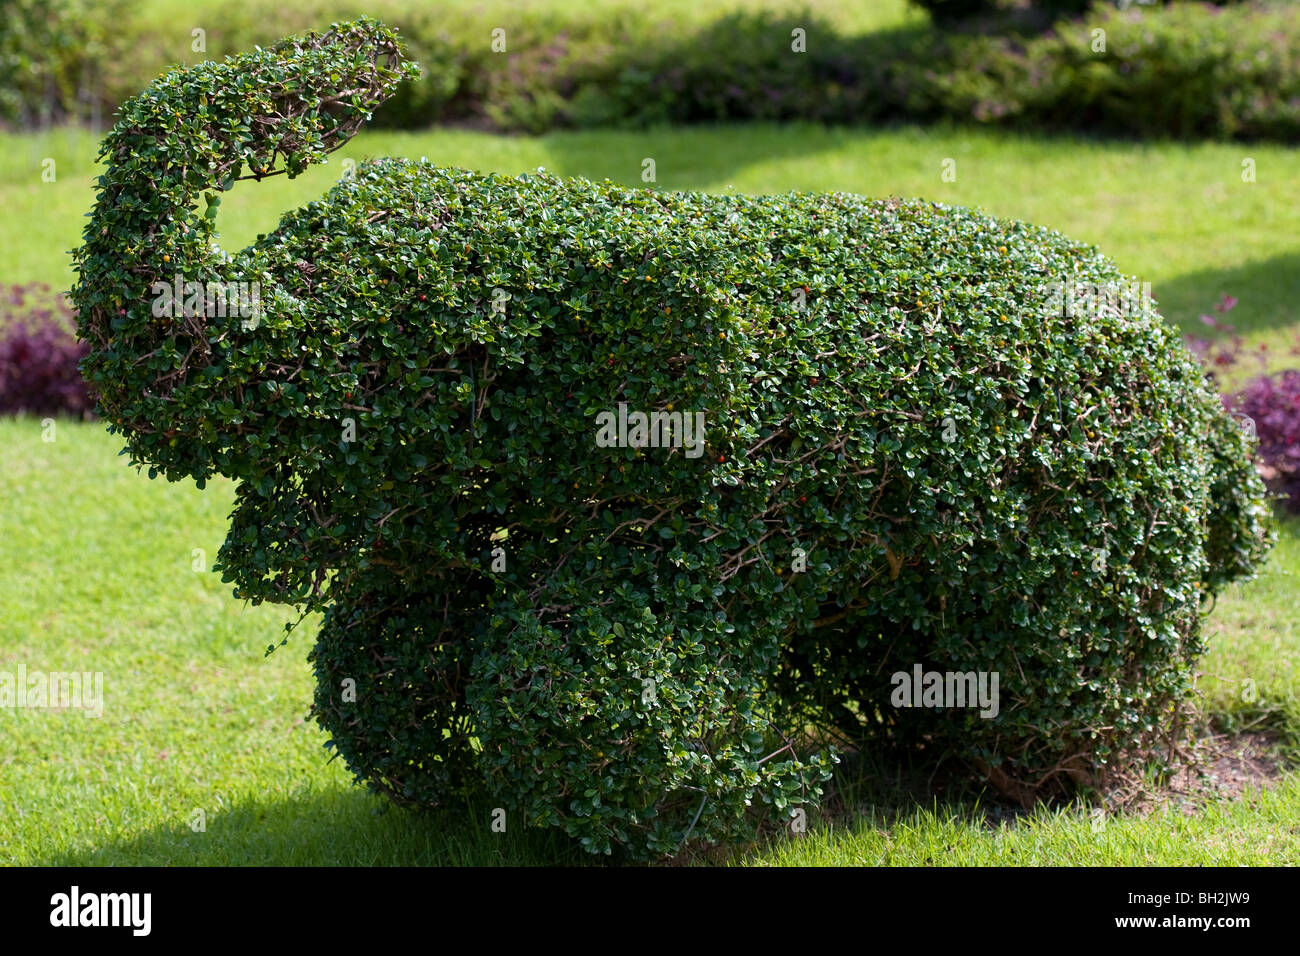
{"x": 1187, "y": 70}
{"x": 907, "y": 459}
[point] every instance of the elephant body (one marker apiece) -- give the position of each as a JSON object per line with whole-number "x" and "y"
{"x": 907, "y": 460}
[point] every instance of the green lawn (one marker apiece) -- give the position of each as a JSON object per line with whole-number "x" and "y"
{"x": 461, "y": 16}
{"x": 96, "y": 561}
{"x": 97, "y": 573}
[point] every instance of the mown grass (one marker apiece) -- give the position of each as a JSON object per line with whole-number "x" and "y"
{"x": 96, "y": 561}
{"x": 1261, "y": 829}
{"x": 461, "y": 16}
{"x": 98, "y": 573}
{"x": 103, "y": 570}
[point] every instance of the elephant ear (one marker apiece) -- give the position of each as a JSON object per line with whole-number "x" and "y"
{"x": 270, "y": 552}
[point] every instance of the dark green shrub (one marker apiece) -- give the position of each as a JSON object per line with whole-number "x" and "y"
{"x": 903, "y": 460}
{"x": 947, "y": 11}
{"x": 1067, "y": 8}
{"x": 1002, "y": 12}
{"x": 1189, "y": 70}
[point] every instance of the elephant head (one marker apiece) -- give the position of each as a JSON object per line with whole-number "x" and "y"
{"x": 162, "y": 306}
{"x": 187, "y": 341}
{"x": 329, "y": 356}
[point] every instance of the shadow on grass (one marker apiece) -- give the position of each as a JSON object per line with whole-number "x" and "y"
{"x": 900, "y": 815}
{"x": 883, "y": 792}
{"x": 1268, "y": 294}
{"x": 343, "y": 827}
{"x": 346, "y": 826}
{"x": 349, "y": 827}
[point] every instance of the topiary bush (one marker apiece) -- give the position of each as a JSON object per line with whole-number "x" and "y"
{"x": 878, "y": 446}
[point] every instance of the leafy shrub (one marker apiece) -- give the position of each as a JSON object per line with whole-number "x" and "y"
{"x": 900, "y": 459}
{"x": 1186, "y": 69}
{"x": 1189, "y": 70}
{"x": 39, "y": 353}
{"x": 948, "y": 11}
{"x": 741, "y": 68}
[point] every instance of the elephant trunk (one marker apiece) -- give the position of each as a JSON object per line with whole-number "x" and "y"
{"x": 156, "y": 365}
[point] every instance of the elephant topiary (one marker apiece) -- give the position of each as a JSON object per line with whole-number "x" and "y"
{"x": 619, "y": 503}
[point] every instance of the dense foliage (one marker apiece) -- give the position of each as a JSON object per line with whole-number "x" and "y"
{"x": 902, "y": 455}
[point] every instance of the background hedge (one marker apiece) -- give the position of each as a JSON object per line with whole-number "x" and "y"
{"x": 1186, "y": 70}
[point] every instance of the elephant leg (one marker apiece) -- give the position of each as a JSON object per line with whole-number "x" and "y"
{"x": 390, "y": 691}
{"x": 619, "y": 704}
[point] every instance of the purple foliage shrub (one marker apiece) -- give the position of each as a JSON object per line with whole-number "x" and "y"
{"x": 1268, "y": 404}
{"x": 39, "y": 354}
